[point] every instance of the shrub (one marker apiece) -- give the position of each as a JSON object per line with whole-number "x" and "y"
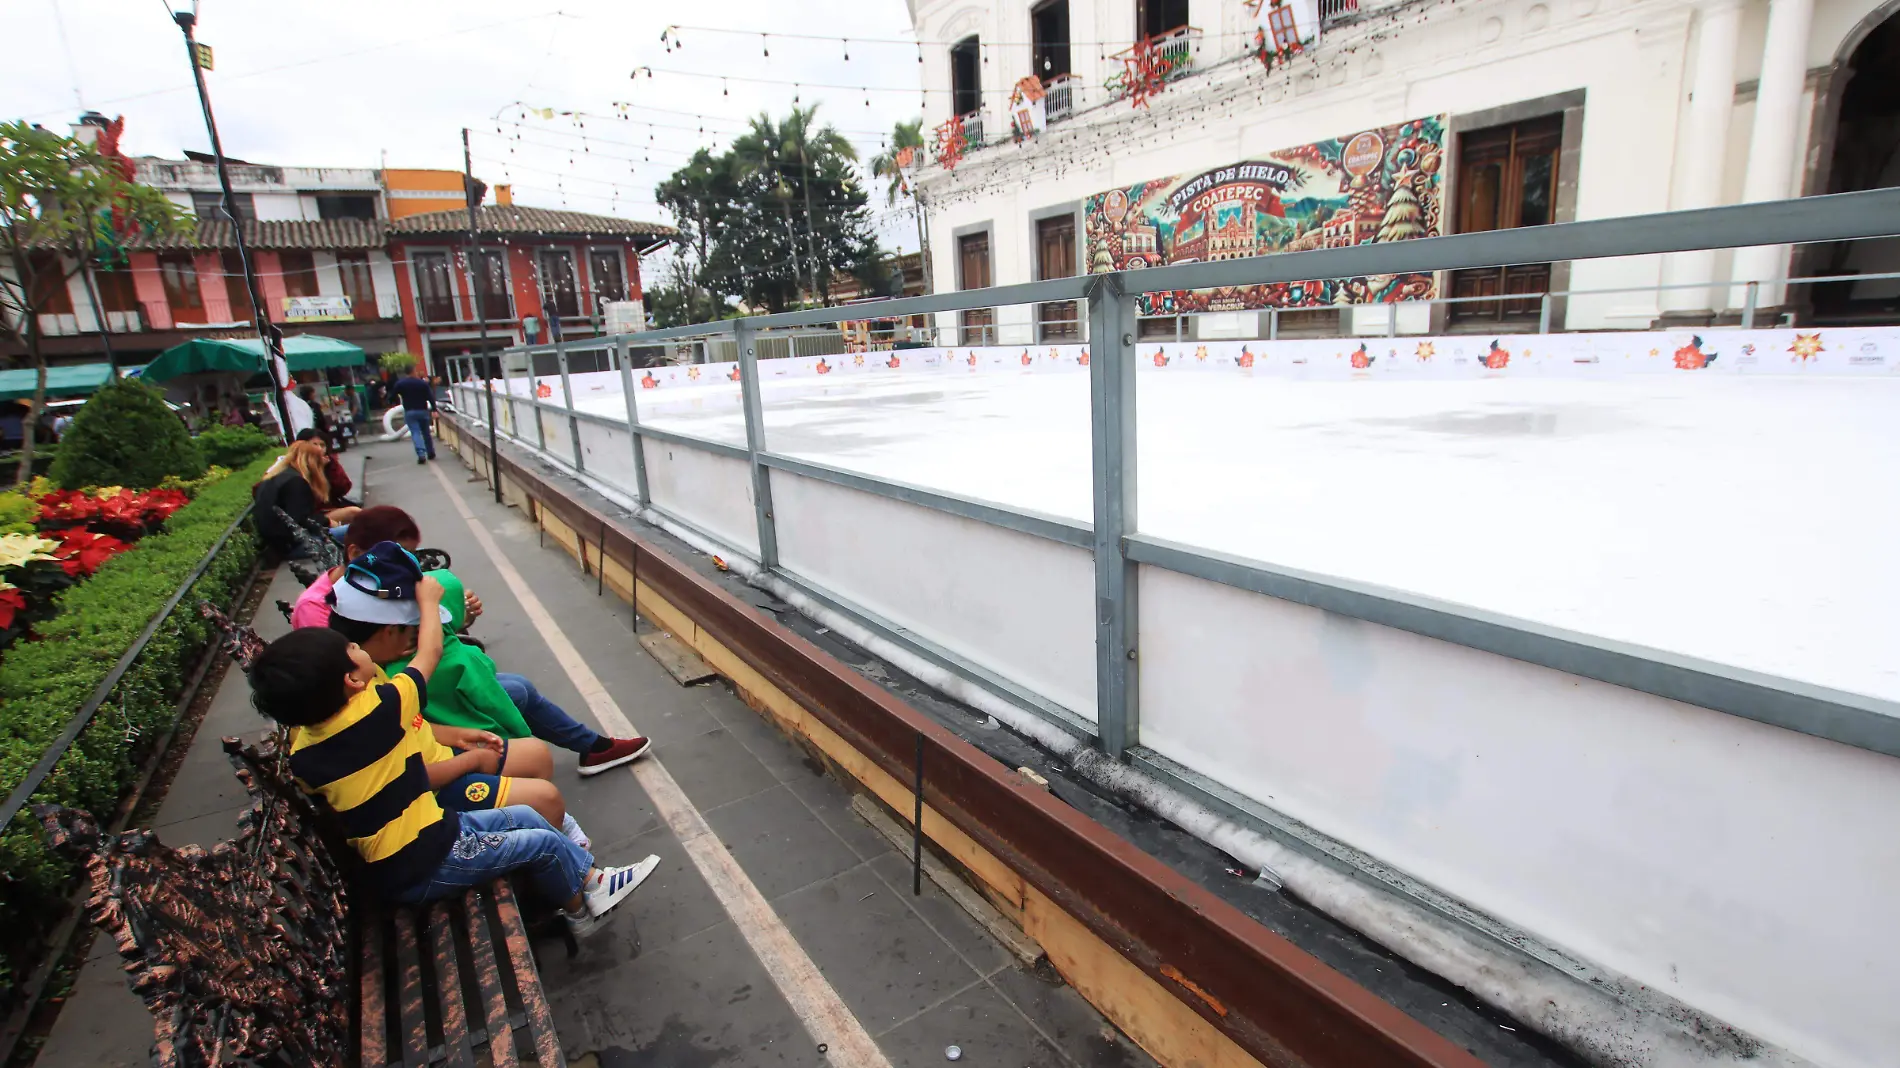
{"x": 16, "y": 513}
{"x": 43, "y": 683}
{"x": 125, "y": 436}
{"x": 234, "y": 446}
{"x": 396, "y": 363}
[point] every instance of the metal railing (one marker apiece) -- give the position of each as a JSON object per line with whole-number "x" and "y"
{"x": 1175, "y": 49}
{"x": 1059, "y": 95}
{"x": 1118, "y": 548}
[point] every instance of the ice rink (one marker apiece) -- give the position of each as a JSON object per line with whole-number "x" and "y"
{"x": 1747, "y": 520}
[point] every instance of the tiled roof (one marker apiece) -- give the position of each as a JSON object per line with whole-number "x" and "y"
{"x": 516, "y": 219}
{"x": 275, "y": 234}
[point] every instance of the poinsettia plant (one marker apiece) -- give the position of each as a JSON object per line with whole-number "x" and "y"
{"x": 31, "y": 572}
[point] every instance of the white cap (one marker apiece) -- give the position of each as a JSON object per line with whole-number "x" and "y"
{"x": 352, "y": 603}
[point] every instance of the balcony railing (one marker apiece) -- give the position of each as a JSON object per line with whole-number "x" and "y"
{"x": 1334, "y": 12}
{"x": 1059, "y": 101}
{"x": 1175, "y": 48}
{"x": 973, "y": 130}
{"x": 55, "y": 324}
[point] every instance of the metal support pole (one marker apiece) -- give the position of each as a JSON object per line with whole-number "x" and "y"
{"x": 1391, "y": 319}
{"x": 745, "y": 337}
{"x": 567, "y": 401}
{"x": 1273, "y": 324}
{"x": 534, "y": 405}
{"x": 623, "y": 353}
{"x": 1112, "y": 439}
{"x": 917, "y": 825}
{"x": 508, "y": 397}
{"x": 478, "y": 286}
{"x": 1543, "y": 314}
{"x": 1749, "y": 301}
{"x": 267, "y": 331}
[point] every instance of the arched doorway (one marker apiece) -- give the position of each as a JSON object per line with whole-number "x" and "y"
{"x": 1865, "y": 155}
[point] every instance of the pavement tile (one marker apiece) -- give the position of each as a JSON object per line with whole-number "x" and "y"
{"x": 880, "y": 957}
{"x": 1069, "y": 1021}
{"x": 986, "y": 1029}
{"x": 951, "y": 922}
{"x": 714, "y": 769}
{"x": 779, "y": 842}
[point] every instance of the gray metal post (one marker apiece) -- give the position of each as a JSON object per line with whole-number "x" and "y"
{"x": 623, "y": 354}
{"x": 745, "y": 337}
{"x": 1391, "y": 319}
{"x": 1543, "y": 314}
{"x": 1112, "y": 437}
{"x": 1273, "y": 324}
{"x": 534, "y": 402}
{"x": 508, "y": 397}
{"x": 567, "y": 401}
{"x": 1748, "y": 305}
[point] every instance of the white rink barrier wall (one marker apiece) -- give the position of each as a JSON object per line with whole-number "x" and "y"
{"x": 1730, "y": 881}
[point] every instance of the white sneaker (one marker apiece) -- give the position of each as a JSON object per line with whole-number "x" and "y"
{"x": 607, "y": 887}
{"x": 572, "y": 828}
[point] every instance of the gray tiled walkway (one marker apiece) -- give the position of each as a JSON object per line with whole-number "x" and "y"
{"x": 671, "y": 981}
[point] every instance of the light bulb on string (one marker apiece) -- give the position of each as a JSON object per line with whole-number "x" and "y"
{"x": 765, "y": 45}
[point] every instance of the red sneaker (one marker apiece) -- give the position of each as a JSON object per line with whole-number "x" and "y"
{"x": 624, "y": 750}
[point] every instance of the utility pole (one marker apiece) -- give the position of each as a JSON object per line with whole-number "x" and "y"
{"x": 267, "y": 331}
{"x": 478, "y": 285}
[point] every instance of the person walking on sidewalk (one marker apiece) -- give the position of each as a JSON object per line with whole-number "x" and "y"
{"x": 418, "y": 409}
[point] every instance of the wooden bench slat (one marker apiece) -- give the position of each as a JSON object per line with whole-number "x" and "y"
{"x": 456, "y": 1051}
{"x": 501, "y": 1034}
{"x": 414, "y": 1026}
{"x": 534, "y": 1002}
{"x": 374, "y": 1041}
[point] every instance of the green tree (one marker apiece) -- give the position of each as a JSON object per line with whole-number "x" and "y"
{"x": 808, "y": 172}
{"x": 126, "y": 435}
{"x": 701, "y": 197}
{"x": 62, "y": 204}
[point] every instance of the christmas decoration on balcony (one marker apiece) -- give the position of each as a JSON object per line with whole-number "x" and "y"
{"x": 1145, "y": 73}
{"x": 1284, "y": 28}
{"x": 1028, "y": 109}
{"x": 951, "y": 143}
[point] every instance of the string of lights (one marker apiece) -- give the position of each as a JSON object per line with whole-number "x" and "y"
{"x": 672, "y": 37}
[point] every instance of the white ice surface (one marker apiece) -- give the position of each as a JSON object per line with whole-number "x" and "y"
{"x": 1747, "y": 520}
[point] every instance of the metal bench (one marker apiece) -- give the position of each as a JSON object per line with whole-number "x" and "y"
{"x": 249, "y": 953}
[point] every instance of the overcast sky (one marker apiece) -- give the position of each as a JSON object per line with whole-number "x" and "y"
{"x": 355, "y": 83}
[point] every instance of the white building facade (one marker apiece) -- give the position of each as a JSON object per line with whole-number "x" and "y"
{"x": 1546, "y": 111}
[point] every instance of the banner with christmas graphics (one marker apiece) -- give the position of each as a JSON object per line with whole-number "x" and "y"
{"x": 1382, "y": 184}
{"x": 1872, "y": 352}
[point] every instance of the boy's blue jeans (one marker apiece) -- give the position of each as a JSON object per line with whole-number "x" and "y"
{"x": 419, "y": 433}
{"x": 547, "y": 720}
{"x": 497, "y": 841}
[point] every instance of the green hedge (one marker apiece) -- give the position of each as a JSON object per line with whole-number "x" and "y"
{"x": 43, "y": 684}
{"x": 234, "y": 446}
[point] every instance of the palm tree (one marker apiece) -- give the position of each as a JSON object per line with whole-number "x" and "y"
{"x": 768, "y": 148}
{"x": 884, "y": 164}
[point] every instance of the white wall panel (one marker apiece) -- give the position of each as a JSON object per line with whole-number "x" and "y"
{"x": 1014, "y": 603}
{"x": 1744, "y": 869}
{"x": 710, "y": 491}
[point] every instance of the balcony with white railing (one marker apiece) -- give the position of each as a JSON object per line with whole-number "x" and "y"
{"x": 68, "y": 324}
{"x": 1059, "y": 100}
{"x": 973, "y": 130}
{"x": 1175, "y": 49}
{"x": 1334, "y": 12}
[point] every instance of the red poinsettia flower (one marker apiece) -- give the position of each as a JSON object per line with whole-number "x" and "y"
{"x": 81, "y": 551}
{"x": 12, "y": 602}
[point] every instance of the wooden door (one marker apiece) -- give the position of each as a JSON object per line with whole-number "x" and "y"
{"x": 1507, "y": 177}
{"x": 1055, "y": 258}
{"x": 973, "y": 272}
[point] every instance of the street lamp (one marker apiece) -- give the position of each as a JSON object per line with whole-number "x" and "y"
{"x": 267, "y": 331}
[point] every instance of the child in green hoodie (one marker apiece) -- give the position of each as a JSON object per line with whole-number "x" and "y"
{"x": 468, "y": 691}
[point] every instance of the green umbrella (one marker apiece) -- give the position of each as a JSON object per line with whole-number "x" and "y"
{"x": 72, "y": 380}
{"x": 303, "y": 352}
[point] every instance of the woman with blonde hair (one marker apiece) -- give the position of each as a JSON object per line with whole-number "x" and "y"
{"x": 297, "y": 494}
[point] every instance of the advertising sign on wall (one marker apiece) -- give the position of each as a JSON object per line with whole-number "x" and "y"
{"x": 316, "y": 309}
{"x": 1374, "y": 185}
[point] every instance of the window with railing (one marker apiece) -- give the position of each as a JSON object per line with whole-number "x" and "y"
{"x": 491, "y": 281}
{"x": 358, "y": 285}
{"x": 178, "y": 274}
{"x": 300, "y": 274}
{"x": 435, "y": 288}
{"x": 560, "y": 290}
